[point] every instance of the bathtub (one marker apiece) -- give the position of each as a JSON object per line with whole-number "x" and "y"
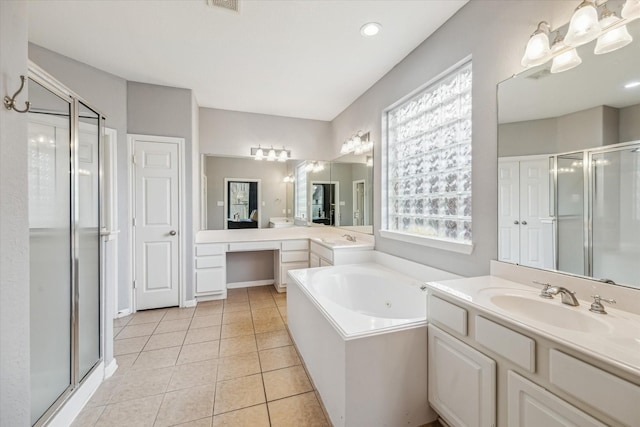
{"x": 362, "y": 333}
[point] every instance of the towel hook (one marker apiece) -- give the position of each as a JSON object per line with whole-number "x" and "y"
{"x": 10, "y": 103}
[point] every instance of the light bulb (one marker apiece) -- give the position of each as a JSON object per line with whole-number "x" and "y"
{"x": 613, "y": 39}
{"x": 631, "y": 10}
{"x": 283, "y": 156}
{"x": 259, "y": 154}
{"x": 272, "y": 155}
{"x": 565, "y": 61}
{"x": 537, "y": 51}
{"x": 584, "y": 25}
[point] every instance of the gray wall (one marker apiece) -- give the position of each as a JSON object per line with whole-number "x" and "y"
{"x": 14, "y": 227}
{"x": 273, "y": 189}
{"x": 629, "y": 122}
{"x": 495, "y": 34}
{"x": 233, "y": 133}
{"x": 166, "y": 111}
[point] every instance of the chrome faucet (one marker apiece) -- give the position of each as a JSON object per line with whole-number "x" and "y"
{"x": 349, "y": 237}
{"x": 568, "y": 297}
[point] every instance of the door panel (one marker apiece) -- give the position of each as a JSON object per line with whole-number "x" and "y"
{"x": 156, "y": 219}
{"x": 534, "y": 207}
{"x": 508, "y": 211}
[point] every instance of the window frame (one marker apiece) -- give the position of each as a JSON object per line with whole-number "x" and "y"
{"x": 464, "y": 247}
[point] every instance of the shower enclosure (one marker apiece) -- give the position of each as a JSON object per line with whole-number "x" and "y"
{"x": 64, "y": 139}
{"x": 597, "y": 209}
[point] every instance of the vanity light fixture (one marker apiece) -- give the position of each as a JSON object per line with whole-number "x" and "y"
{"x": 370, "y": 29}
{"x": 259, "y": 154}
{"x": 537, "y": 51}
{"x": 631, "y": 10}
{"x": 289, "y": 178}
{"x": 314, "y": 166}
{"x": 281, "y": 155}
{"x": 632, "y": 85}
{"x": 370, "y": 161}
{"x": 358, "y": 144}
{"x": 614, "y": 39}
{"x": 566, "y": 60}
{"x": 584, "y": 25}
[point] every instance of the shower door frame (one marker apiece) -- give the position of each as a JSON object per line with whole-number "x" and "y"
{"x": 50, "y": 83}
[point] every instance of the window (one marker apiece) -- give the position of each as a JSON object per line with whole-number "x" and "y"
{"x": 428, "y": 166}
{"x": 301, "y": 192}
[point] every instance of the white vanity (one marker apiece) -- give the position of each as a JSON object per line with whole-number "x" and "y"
{"x": 498, "y": 354}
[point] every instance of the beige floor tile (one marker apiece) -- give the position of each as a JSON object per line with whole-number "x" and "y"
{"x": 134, "y": 413}
{"x": 155, "y": 359}
{"x": 133, "y": 331}
{"x": 262, "y": 303}
{"x": 172, "y": 326}
{"x": 208, "y": 311}
{"x": 194, "y": 374}
{"x": 238, "y": 393}
{"x": 283, "y": 311}
{"x": 202, "y": 422}
{"x": 179, "y": 313}
{"x": 139, "y": 384}
{"x": 125, "y": 362}
{"x": 129, "y": 345}
{"x": 265, "y": 314}
{"x": 286, "y": 382}
{"x": 235, "y": 317}
{"x": 88, "y": 416}
{"x": 268, "y": 325}
{"x": 116, "y": 331}
{"x": 237, "y": 298}
{"x": 240, "y": 365}
{"x": 211, "y": 333}
{"x": 260, "y": 296}
{"x": 253, "y": 416}
{"x": 104, "y": 393}
{"x": 278, "y": 358}
{"x": 170, "y": 339}
{"x": 237, "y": 329}
{"x": 236, "y": 306}
{"x": 238, "y": 345}
{"x": 148, "y": 316}
{"x": 237, "y": 292}
{"x": 122, "y": 321}
{"x": 186, "y": 405}
{"x": 273, "y": 339}
{"x": 213, "y": 303}
{"x": 196, "y": 352}
{"x": 206, "y": 321}
{"x": 298, "y": 411}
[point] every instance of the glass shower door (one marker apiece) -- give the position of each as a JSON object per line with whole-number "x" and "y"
{"x": 570, "y": 212}
{"x": 615, "y": 214}
{"x": 50, "y": 249}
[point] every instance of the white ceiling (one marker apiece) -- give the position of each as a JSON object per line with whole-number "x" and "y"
{"x": 298, "y": 58}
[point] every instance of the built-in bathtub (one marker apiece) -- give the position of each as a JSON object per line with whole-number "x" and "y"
{"x": 361, "y": 331}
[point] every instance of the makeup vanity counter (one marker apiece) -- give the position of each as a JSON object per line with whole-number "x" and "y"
{"x": 293, "y": 248}
{"x": 528, "y": 360}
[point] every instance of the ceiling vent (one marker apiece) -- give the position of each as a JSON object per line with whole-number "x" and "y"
{"x": 225, "y": 4}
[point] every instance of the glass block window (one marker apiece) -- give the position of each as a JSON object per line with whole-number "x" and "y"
{"x": 429, "y": 160}
{"x": 301, "y": 191}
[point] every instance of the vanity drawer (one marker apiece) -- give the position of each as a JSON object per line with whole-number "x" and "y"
{"x": 254, "y": 246}
{"x": 210, "y": 261}
{"x": 295, "y": 245}
{"x": 295, "y": 256}
{"x": 209, "y": 249}
{"x": 509, "y": 344}
{"x": 210, "y": 280}
{"x": 447, "y": 314}
{"x": 322, "y": 252}
{"x": 606, "y": 392}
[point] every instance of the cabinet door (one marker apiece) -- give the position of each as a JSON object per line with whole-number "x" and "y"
{"x": 314, "y": 260}
{"x": 529, "y": 405}
{"x": 462, "y": 381}
{"x": 210, "y": 280}
{"x": 324, "y": 263}
{"x": 284, "y": 270}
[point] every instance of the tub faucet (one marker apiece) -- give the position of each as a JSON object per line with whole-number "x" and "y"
{"x": 349, "y": 237}
{"x": 568, "y": 297}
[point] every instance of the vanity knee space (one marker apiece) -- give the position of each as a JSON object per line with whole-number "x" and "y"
{"x": 487, "y": 371}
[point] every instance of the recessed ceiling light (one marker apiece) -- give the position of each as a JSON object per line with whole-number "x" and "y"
{"x": 370, "y": 29}
{"x": 632, "y": 85}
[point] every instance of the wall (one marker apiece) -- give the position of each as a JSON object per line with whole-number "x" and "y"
{"x": 167, "y": 111}
{"x": 232, "y": 133}
{"x": 14, "y": 245}
{"x": 629, "y": 119}
{"x": 273, "y": 188}
{"x": 495, "y": 34}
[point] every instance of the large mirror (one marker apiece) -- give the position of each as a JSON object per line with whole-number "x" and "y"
{"x": 569, "y": 166}
{"x": 353, "y": 175}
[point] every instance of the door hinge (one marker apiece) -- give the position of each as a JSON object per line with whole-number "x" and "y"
{"x": 135, "y": 284}
{"x": 134, "y": 222}
{"x": 133, "y": 159}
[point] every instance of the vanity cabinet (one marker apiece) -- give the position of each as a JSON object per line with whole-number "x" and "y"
{"x": 294, "y": 254}
{"x": 320, "y": 256}
{"x": 462, "y": 381}
{"x": 211, "y": 274}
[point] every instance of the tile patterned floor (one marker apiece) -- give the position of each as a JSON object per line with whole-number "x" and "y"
{"x": 224, "y": 363}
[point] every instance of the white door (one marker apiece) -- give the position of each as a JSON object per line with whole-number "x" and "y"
{"x": 156, "y": 222}
{"x": 359, "y": 212}
{"x": 509, "y": 211}
{"x": 534, "y": 207}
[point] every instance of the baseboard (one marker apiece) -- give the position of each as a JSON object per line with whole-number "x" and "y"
{"x": 111, "y": 368}
{"x": 74, "y": 404}
{"x": 214, "y": 297}
{"x": 250, "y": 284}
{"x": 123, "y": 313}
{"x": 190, "y": 303}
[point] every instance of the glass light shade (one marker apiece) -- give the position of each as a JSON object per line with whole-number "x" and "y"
{"x": 537, "y": 51}
{"x": 345, "y": 148}
{"x": 565, "y": 61}
{"x": 584, "y": 25}
{"x": 631, "y": 9}
{"x": 283, "y": 157}
{"x": 272, "y": 155}
{"x": 614, "y": 39}
{"x": 259, "y": 154}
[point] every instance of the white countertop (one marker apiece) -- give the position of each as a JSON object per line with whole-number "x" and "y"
{"x": 317, "y": 234}
{"x": 616, "y": 343}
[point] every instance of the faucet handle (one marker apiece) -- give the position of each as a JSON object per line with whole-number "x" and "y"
{"x": 544, "y": 292}
{"x": 597, "y": 306}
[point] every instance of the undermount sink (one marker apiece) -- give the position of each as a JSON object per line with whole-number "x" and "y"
{"x": 336, "y": 242}
{"x": 551, "y": 312}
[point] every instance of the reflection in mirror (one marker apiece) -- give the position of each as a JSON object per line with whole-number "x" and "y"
{"x": 353, "y": 175}
{"x": 569, "y": 166}
{"x": 242, "y": 201}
